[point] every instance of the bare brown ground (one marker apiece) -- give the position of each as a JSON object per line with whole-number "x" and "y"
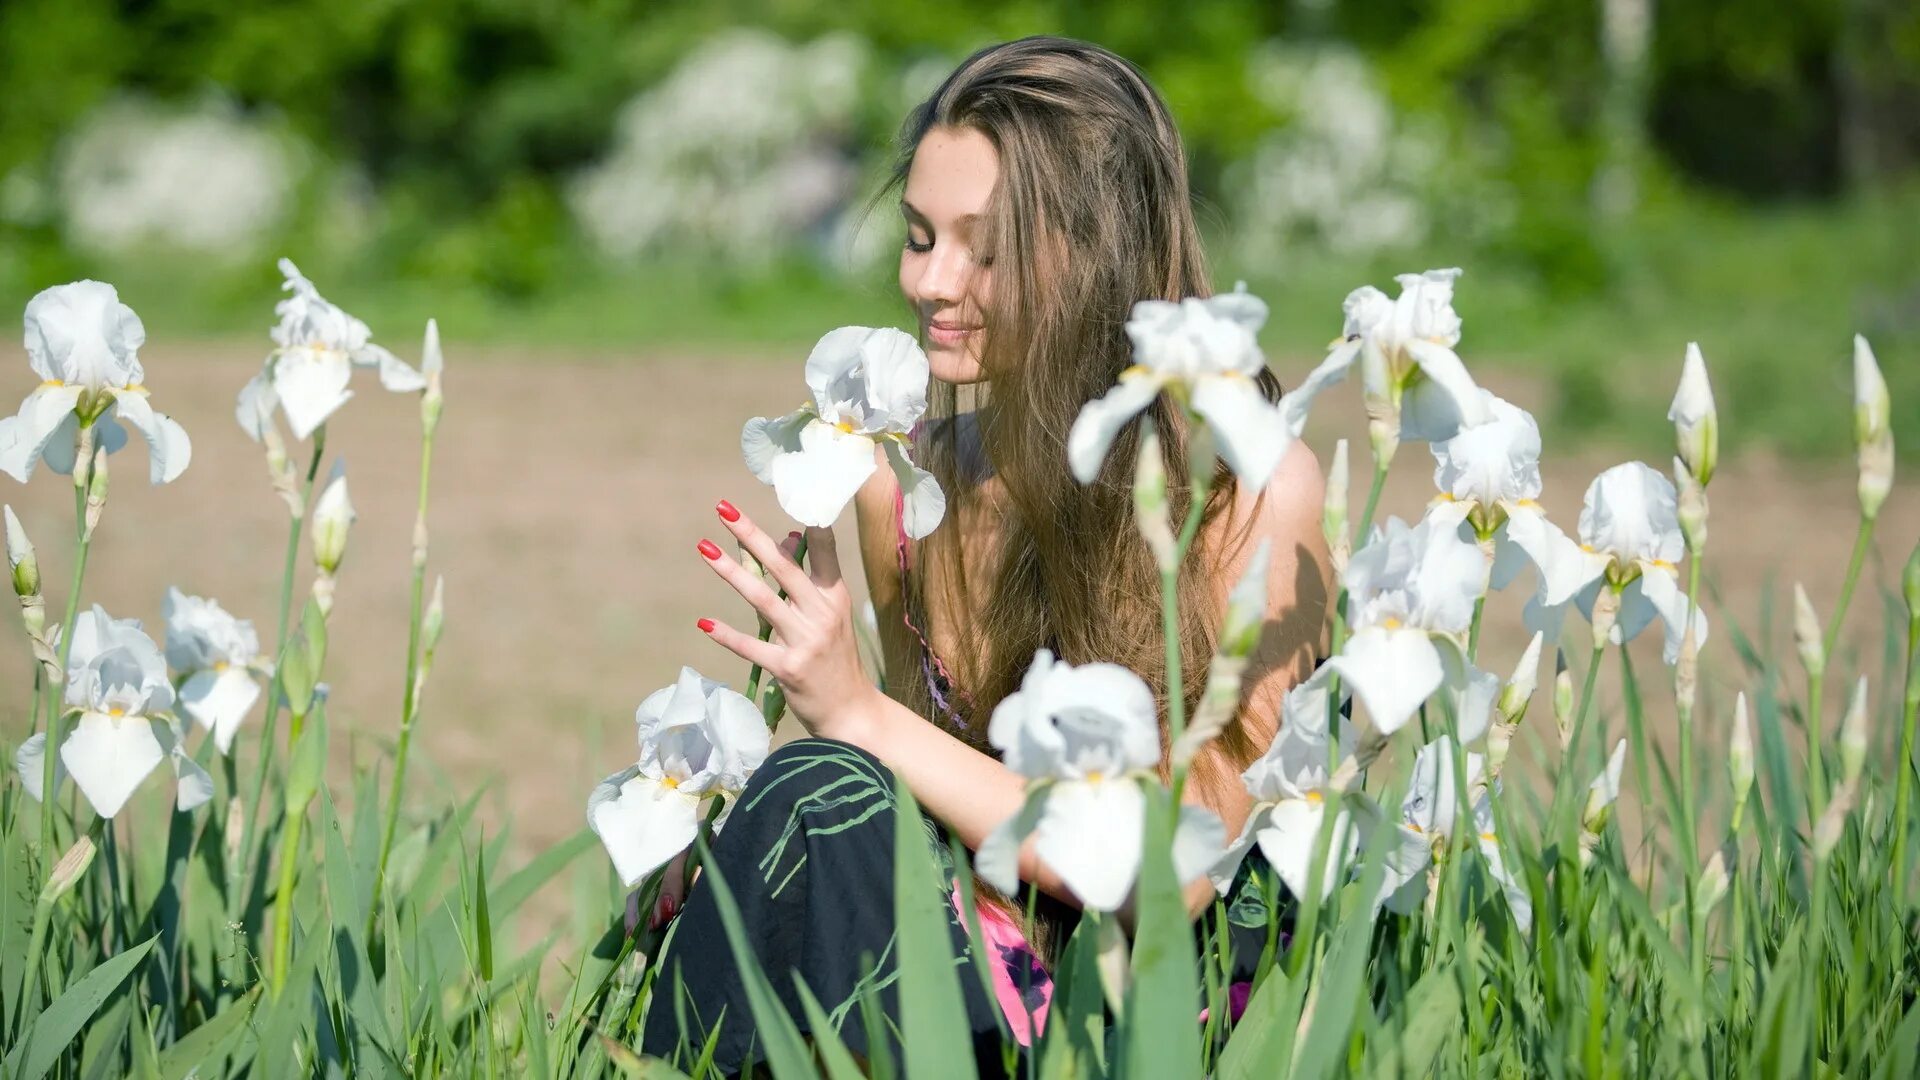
{"x": 568, "y": 493}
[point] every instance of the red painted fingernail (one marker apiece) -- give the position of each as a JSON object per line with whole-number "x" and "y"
{"x": 705, "y": 625}
{"x": 710, "y": 549}
{"x": 726, "y": 510}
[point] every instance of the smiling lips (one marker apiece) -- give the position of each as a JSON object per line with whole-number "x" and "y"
{"x": 946, "y": 333}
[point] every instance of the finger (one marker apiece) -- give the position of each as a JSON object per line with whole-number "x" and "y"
{"x": 775, "y": 611}
{"x": 823, "y": 558}
{"x": 745, "y": 646}
{"x": 786, "y": 573}
{"x": 790, "y": 547}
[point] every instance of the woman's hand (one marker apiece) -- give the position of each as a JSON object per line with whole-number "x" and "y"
{"x": 814, "y": 653}
{"x": 667, "y": 903}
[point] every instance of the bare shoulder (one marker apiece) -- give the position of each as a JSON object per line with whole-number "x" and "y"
{"x": 1286, "y": 511}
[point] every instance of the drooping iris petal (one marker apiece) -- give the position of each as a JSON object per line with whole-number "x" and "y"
{"x": 1393, "y": 672}
{"x": 108, "y": 756}
{"x": 219, "y": 699}
{"x": 815, "y": 484}
{"x": 642, "y": 822}
{"x": 26, "y": 438}
{"x": 1663, "y": 594}
{"x": 923, "y": 503}
{"x": 765, "y": 438}
{"x": 1090, "y": 834}
{"x": 168, "y": 448}
{"x": 1252, "y": 433}
{"x": 30, "y": 761}
{"x": 193, "y": 786}
{"x": 1290, "y": 835}
{"x": 1565, "y": 567}
{"x": 1100, "y": 421}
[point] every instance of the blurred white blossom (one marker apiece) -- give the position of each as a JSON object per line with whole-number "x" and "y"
{"x": 206, "y": 180}
{"x": 738, "y": 152}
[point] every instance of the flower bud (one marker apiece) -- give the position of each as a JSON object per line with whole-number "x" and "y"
{"x": 68, "y": 871}
{"x": 1696, "y": 423}
{"x": 430, "y": 365}
{"x": 1150, "y": 498}
{"x": 436, "y": 616}
{"x": 322, "y": 592}
{"x": 1833, "y": 822}
{"x": 20, "y": 557}
{"x": 1514, "y": 697}
{"x": 333, "y": 517}
{"x": 1604, "y": 791}
{"x": 1563, "y": 698}
{"x": 1872, "y": 429}
{"x": 1712, "y": 885}
{"x": 1333, "y": 518}
{"x": 1853, "y": 734}
{"x": 1740, "y": 756}
{"x": 1686, "y": 675}
{"x": 82, "y": 456}
{"x": 96, "y": 492}
{"x": 1606, "y": 612}
{"x": 1692, "y": 508}
{"x": 1806, "y": 634}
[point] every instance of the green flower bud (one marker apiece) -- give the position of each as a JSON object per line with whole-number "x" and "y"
{"x": 1853, "y": 735}
{"x": 1696, "y": 423}
{"x": 20, "y": 557}
{"x": 333, "y": 518}
{"x": 1806, "y": 634}
{"x": 1740, "y": 756}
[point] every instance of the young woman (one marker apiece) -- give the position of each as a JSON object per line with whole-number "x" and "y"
{"x": 1044, "y": 191}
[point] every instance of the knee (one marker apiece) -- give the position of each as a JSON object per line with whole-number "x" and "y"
{"x": 807, "y": 771}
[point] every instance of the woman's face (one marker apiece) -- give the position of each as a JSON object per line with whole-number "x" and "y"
{"x": 945, "y": 204}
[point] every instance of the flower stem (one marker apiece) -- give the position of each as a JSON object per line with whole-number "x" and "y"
{"x": 1373, "y": 498}
{"x": 56, "y": 689}
{"x": 1473, "y": 630}
{"x": 410, "y": 693}
{"x": 1861, "y": 542}
{"x": 240, "y": 874}
{"x": 283, "y": 900}
{"x": 1816, "y": 772}
{"x": 1903, "y": 791}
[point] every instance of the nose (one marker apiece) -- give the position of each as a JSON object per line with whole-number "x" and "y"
{"x": 943, "y": 277}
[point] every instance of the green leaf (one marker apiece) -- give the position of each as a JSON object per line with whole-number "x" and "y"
{"x": 1432, "y": 1018}
{"x": 1076, "y": 1033}
{"x": 208, "y": 1041}
{"x": 313, "y": 631}
{"x": 1161, "y": 1026}
{"x": 932, "y": 1012}
{"x": 1339, "y": 983}
{"x": 307, "y": 766}
{"x": 52, "y": 1030}
{"x": 826, "y": 1039}
{"x": 482, "y": 919}
{"x": 1259, "y": 1040}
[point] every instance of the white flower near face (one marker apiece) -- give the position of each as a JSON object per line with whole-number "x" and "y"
{"x": 1629, "y": 539}
{"x": 868, "y": 388}
{"x": 118, "y": 682}
{"x": 1290, "y": 785}
{"x": 698, "y": 741}
{"x": 318, "y": 346}
{"x": 1205, "y": 353}
{"x": 84, "y": 344}
{"x": 1410, "y": 597}
{"x": 217, "y": 654}
{"x": 1089, "y": 739}
{"x": 1407, "y": 364}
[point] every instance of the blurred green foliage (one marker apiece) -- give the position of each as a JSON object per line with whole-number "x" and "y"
{"x": 1774, "y": 145}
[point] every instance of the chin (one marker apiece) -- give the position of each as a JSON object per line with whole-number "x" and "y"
{"x": 955, "y": 366}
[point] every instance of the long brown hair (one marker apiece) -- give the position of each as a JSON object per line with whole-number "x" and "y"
{"x": 1091, "y": 212}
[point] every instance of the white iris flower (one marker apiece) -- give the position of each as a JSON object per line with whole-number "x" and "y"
{"x": 1089, "y": 739}
{"x": 85, "y": 344}
{"x": 1489, "y": 481}
{"x": 1410, "y": 597}
{"x": 1292, "y": 788}
{"x": 117, "y": 681}
{"x": 1409, "y": 371}
{"x": 869, "y": 387}
{"x": 1204, "y": 351}
{"x": 698, "y": 741}
{"x": 1429, "y": 814}
{"x": 1629, "y": 539}
{"x": 318, "y": 346}
{"x": 218, "y": 655}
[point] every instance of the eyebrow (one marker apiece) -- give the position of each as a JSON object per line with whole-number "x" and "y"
{"x": 964, "y": 221}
